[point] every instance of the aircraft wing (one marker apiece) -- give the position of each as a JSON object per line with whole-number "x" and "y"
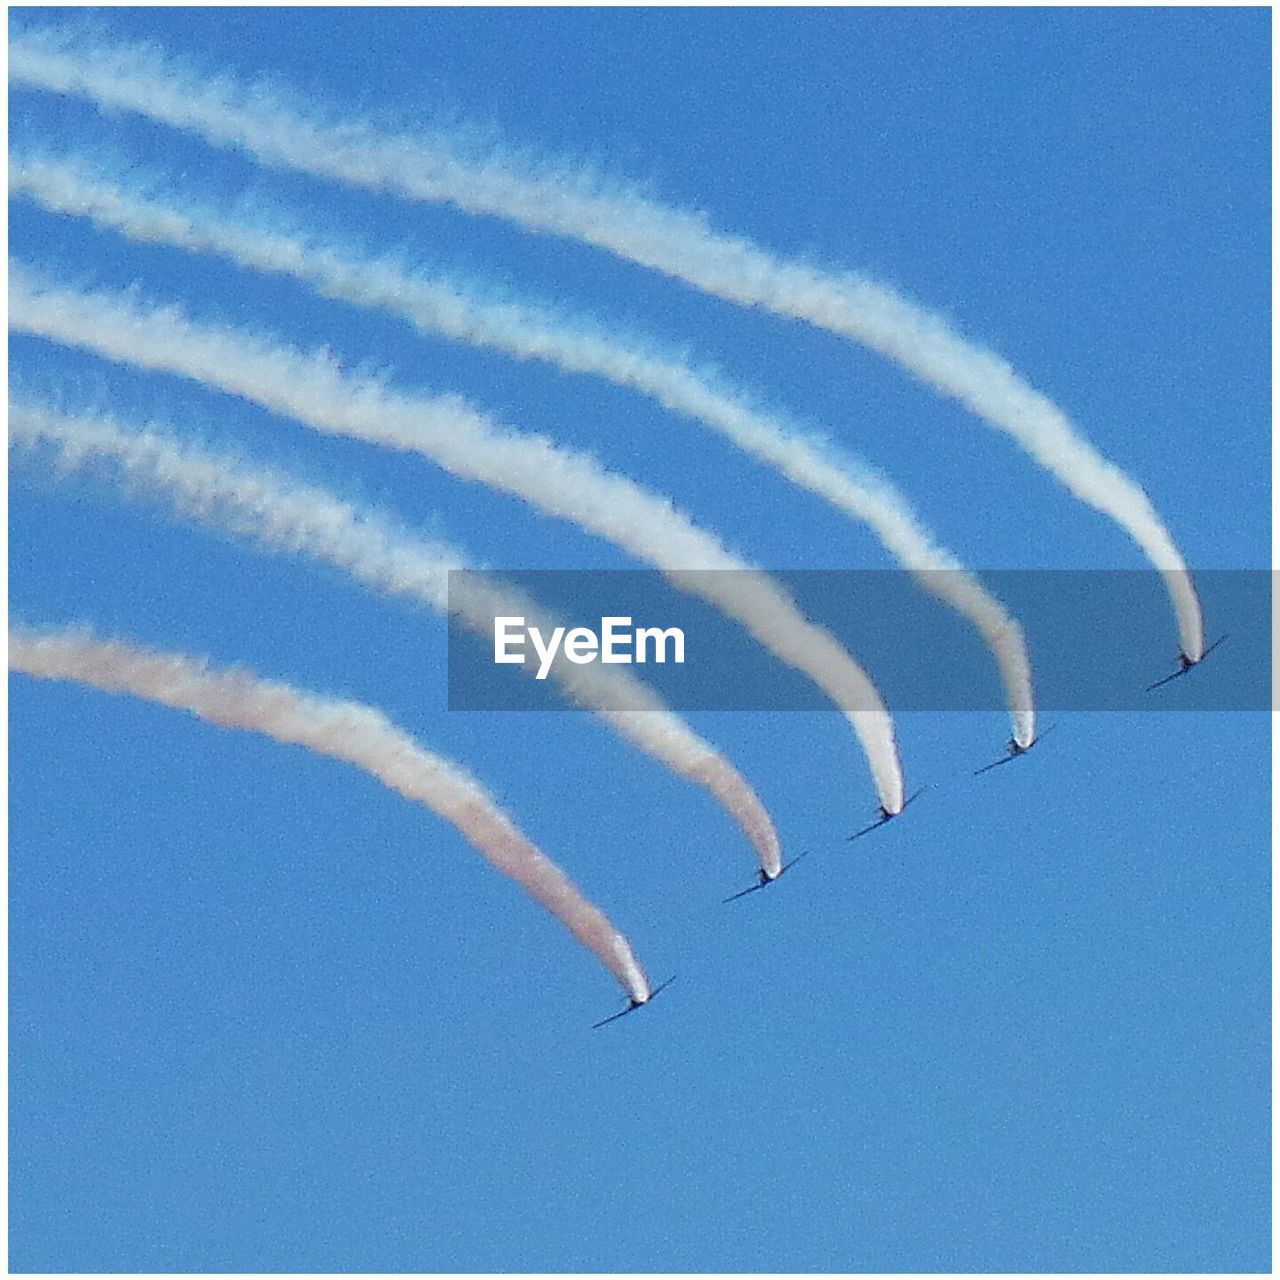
{"x": 866, "y": 831}
{"x": 1212, "y": 647}
{"x": 995, "y": 764}
{"x": 604, "y": 1022}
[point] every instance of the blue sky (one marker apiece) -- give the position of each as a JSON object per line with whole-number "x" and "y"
{"x": 265, "y": 1015}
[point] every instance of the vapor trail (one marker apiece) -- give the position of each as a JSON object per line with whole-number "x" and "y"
{"x": 530, "y": 332}
{"x": 282, "y": 514}
{"x": 560, "y": 482}
{"x": 675, "y": 242}
{"x": 349, "y": 731}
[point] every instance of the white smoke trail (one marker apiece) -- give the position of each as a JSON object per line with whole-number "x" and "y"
{"x": 281, "y": 513}
{"x": 675, "y": 242}
{"x": 560, "y": 482}
{"x": 348, "y": 731}
{"x": 527, "y": 332}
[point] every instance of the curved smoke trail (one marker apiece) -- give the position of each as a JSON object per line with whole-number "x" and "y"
{"x": 348, "y": 731}
{"x": 529, "y": 332}
{"x": 281, "y": 513}
{"x": 561, "y": 482}
{"x": 675, "y": 242}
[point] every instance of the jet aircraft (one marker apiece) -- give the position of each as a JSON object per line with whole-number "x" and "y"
{"x": 764, "y": 879}
{"x": 1185, "y": 664}
{"x": 1014, "y": 749}
{"x": 886, "y": 816}
{"x": 633, "y": 1004}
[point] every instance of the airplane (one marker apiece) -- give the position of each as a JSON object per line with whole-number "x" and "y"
{"x": 764, "y": 879}
{"x": 885, "y": 816}
{"x": 1014, "y": 749}
{"x": 1185, "y": 664}
{"x": 633, "y": 1004}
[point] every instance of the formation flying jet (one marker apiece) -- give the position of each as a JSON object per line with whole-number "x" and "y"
{"x": 1014, "y": 749}
{"x": 764, "y": 879}
{"x": 633, "y": 1004}
{"x": 886, "y": 816}
{"x": 1185, "y": 664}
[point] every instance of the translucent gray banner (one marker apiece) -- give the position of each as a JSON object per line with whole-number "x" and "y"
{"x": 1096, "y": 640}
